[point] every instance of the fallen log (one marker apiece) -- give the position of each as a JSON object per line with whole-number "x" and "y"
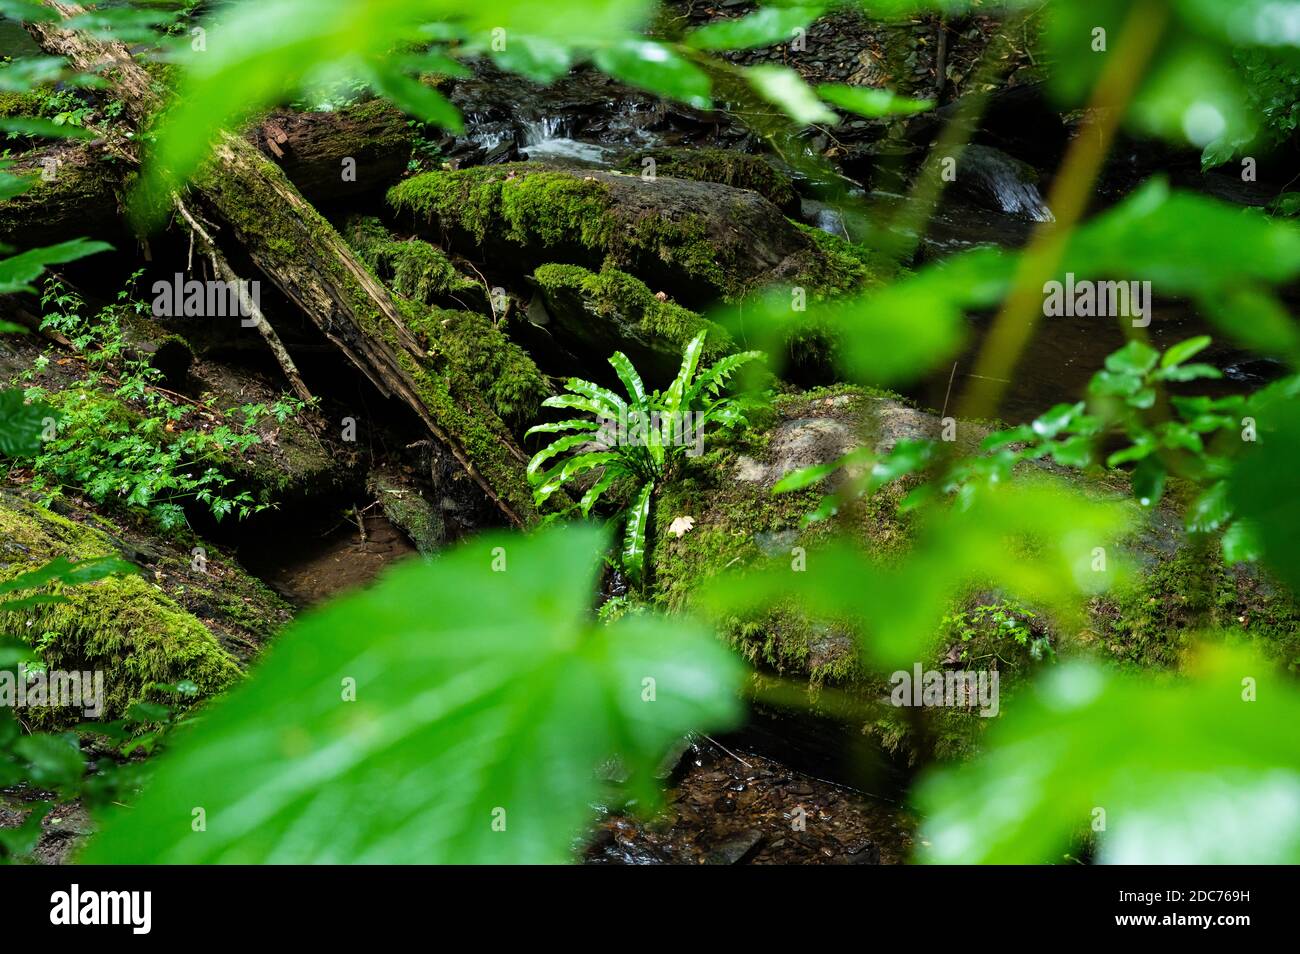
{"x": 77, "y": 185}
{"x": 298, "y": 250}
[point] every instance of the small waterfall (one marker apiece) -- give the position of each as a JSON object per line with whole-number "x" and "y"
{"x": 549, "y": 138}
{"x": 1021, "y": 198}
{"x": 1008, "y": 182}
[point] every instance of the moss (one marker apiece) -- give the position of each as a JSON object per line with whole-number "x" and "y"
{"x": 1173, "y": 600}
{"x": 521, "y": 204}
{"x": 263, "y": 219}
{"x": 542, "y": 209}
{"x": 632, "y": 309}
{"x": 124, "y": 626}
{"x": 457, "y": 404}
{"x": 498, "y": 368}
{"x": 413, "y": 268}
{"x": 739, "y": 523}
{"x": 25, "y": 103}
{"x": 843, "y": 266}
{"x": 419, "y": 273}
{"x": 724, "y": 166}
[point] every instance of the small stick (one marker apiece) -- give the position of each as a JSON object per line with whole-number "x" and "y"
{"x": 248, "y": 306}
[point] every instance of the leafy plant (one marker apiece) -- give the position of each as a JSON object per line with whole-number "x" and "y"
{"x": 635, "y": 440}
{"x": 375, "y": 730}
{"x": 118, "y": 437}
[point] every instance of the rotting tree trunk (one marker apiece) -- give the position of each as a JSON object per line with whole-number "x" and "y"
{"x": 77, "y": 191}
{"x": 297, "y": 249}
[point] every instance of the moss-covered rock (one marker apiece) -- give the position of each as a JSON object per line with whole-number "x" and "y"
{"x": 126, "y": 627}
{"x": 725, "y": 166}
{"x": 607, "y": 311}
{"x": 1179, "y": 591}
{"x": 21, "y": 103}
{"x": 407, "y": 509}
{"x": 739, "y": 521}
{"x": 696, "y": 241}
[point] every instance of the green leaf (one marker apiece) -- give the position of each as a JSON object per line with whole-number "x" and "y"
{"x": 422, "y": 102}
{"x": 674, "y": 397}
{"x": 1057, "y": 420}
{"x": 1189, "y": 372}
{"x": 655, "y": 67}
{"x": 53, "y": 761}
{"x": 1149, "y": 481}
{"x": 28, "y": 10}
{"x": 1262, "y": 486}
{"x": 11, "y": 185}
{"x": 1175, "y": 765}
{"x": 1075, "y": 452}
{"x": 21, "y": 841}
{"x": 539, "y": 59}
{"x": 554, "y": 427}
{"x": 45, "y": 128}
{"x": 593, "y": 493}
{"x": 764, "y": 27}
{"x": 1184, "y": 350}
{"x": 908, "y": 456}
{"x": 558, "y": 476}
{"x": 634, "y": 534}
{"x": 712, "y": 380}
{"x": 1135, "y": 358}
{"x": 62, "y": 570}
{"x": 872, "y": 103}
{"x": 1241, "y": 544}
{"x": 628, "y": 375}
{"x": 1211, "y": 510}
{"x": 785, "y": 88}
{"x": 18, "y": 271}
{"x": 805, "y": 477}
{"x": 555, "y": 447}
{"x": 31, "y": 72}
{"x": 21, "y": 424}
{"x": 492, "y": 712}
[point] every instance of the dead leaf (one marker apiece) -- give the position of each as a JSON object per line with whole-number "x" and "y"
{"x": 681, "y": 525}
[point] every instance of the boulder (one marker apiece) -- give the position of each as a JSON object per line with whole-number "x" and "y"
{"x": 695, "y": 241}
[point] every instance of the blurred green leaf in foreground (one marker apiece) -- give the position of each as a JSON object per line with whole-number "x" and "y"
{"x": 1179, "y": 771}
{"x": 456, "y": 712}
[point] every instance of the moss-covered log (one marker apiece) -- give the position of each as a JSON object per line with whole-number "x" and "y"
{"x": 298, "y": 250}
{"x": 695, "y": 241}
{"x": 74, "y": 194}
{"x": 77, "y": 185}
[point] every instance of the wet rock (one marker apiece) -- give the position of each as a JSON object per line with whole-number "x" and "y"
{"x": 406, "y": 508}
{"x": 602, "y": 312}
{"x": 1001, "y": 182}
{"x": 798, "y": 444}
{"x": 735, "y": 849}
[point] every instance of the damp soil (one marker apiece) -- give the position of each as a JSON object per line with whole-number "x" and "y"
{"x": 310, "y": 565}
{"x": 728, "y": 805}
